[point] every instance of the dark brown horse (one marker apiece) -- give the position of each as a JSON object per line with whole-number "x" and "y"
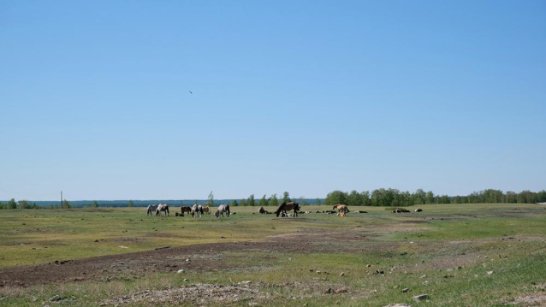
{"x": 283, "y": 209}
{"x": 185, "y": 209}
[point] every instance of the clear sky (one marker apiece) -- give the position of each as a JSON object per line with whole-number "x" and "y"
{"x": 299, "y": 96}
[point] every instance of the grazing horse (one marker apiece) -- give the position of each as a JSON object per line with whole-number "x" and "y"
{"x": 206, "y": 209}
{"x": 341, "y": 209}
{"x": 221, "y": 210}
{"x": 185, "y": 209}
{"x": 263, "y": 211}
{"x": 283, "y": 209}
{"x": 162, "y": 207}
{"x": 151, "y": 209}
{"x": 196, "y": 210}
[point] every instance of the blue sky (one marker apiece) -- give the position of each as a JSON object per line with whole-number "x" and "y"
{"x": 299, "y": 96}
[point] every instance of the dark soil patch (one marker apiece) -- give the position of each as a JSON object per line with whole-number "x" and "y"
{"x": 133, "y": 265}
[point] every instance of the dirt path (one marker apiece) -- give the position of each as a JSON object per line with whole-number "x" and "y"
{"x": 132, "y": 265}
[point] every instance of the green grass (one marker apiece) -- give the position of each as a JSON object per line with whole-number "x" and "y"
{"x": 42, "y": 236}
{"x": 461, "y": 255}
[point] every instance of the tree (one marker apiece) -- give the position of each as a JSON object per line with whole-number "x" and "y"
{"x": 263, "y": 201}
{"x": 541, "y": 196}
{"x": 12, "y": 204}
{"x": 23, "y": 204}
{"x": 393, "y": 197}
{"x": 130, "y": 204}
{"x": 251, "y": 201}
{"x": 273, "y": 201}
{"x": 234, "y": 203}
{"x": 95, "y": 204}
{"x": 66, "y": 204}
{"x": 511, "y": 197}
{"x": 354, "y": 199}
{"x": 210, "y": 200}
{"x": 419, "y": 197}
{"x": 336, "y": 197}
{"x": 492, "y": 196}
{"x": 285, "y": 197}
{"x": 366, "y": 201}
{"x": 429, "y": 199}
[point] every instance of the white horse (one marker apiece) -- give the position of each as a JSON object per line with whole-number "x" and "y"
{"x": 162, "y": 207}
{"x": 196, "y": 210}
{"x": 221, "y": 210}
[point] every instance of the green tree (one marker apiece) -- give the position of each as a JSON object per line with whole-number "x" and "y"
{"x": 429, "y": 199}
{"x": 366, "y": 201}
{"x": 130, "y": 204}
{"x": 273, "y": 201}
{"x": 354, "y": 199}
{"x": 251, "y": 201}
{"x": 541, "y": 196}
{"x": 336, "y": 197}
{"x": 23, "y": 204}
{"x": 210, "y": 200}
{"x": 384, "y": 197}
{"x": 286, "y": 197}
{"x": 419, "y": 197}
{"x": 234, "y": 203}
{"x": 12, "y": 204}
{"x": 95, "y": 204}
{"x": 263, "y": 201}
{"x": 66, "y": 204}
{"x": 492, "y": 196}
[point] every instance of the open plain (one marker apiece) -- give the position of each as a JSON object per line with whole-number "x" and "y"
{"x": 446, "y": 255}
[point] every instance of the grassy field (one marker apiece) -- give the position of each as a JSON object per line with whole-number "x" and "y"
{"x": 459, "y": 255}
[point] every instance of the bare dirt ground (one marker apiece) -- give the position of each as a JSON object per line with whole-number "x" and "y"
{"x": 201, "y": 257}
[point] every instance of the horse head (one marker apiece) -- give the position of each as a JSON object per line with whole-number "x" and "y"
{"x": 279, "y": 210}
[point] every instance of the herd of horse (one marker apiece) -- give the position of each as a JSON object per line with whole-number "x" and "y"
{"x": 196, "y": 210}
{"x": 284, "y": 210}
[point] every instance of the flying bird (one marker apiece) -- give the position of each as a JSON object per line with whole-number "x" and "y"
{"x": 190, "y": 92}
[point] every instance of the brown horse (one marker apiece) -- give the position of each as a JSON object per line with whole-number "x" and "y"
{"x": 283, "y": 209}
{"x": 185, "y": 209}
{"x": 341, "y": 209}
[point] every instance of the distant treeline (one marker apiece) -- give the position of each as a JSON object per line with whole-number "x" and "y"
{"x": 393, "y": 197}
{"x": 379, "y": 197}
{"x": 250, "y": 201}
